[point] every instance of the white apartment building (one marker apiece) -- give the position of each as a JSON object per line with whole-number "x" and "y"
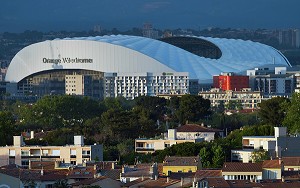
{"x": 279, "y": 145}
{"x": 271, "y": 81}
{"x": 76, "y": 154}
{"x": 131, "y": 85}
{"x": 186, "y": 133}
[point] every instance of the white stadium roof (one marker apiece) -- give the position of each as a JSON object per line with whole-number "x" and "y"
{"x": 132, "y": 54}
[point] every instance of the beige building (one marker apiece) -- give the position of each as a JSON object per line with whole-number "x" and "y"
{"x": 272, "y": 169}
{"x": 186, "y": 133}
{"x": 74, "y": 84}
{"x": 76, "y": 154}
{"x": 247, "y": 98}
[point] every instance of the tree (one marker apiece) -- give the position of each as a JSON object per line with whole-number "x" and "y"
{"x": 7, "y": 127}
{"x": 192, "y": 108}
{"x": 271, "y": 111}
{"x": 120, "y": 124}
{"x": 60, "y": 111}
{"x": 218, "y": 156}
{"x": 259, "y": 156}
{"x": 205, "y": 157}
{"x": 292, "y": 117}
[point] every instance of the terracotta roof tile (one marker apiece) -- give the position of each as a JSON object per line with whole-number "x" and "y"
{"x": 291, "y": 161}
{"x": 82, "y": 172}
{"x": 113, "y": 173}
{"x": 241, "y": 167}
{"x": 89, "y": 181}
{"x": 27, "y": 174}
{"x": 196, "y": 128}
{"x": 208, "y": 173}
{"x": 137, "y": 181}
{"x": 181, "y": 161}
{"x": 272, "y": 164}
{"x": 216, "y": 182}
{"x": 42, "y": 164}
{"x": 161, "y": 182}
{"x": 242, "y": 184}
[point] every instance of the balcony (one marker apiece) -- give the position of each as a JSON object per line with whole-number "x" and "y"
{"x": 248, "y": 147}
{"x": 144, "y": 149}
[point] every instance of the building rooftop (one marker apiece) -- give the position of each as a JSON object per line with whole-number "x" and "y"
{"x": 291, "y": 161}
{"x": 196, "y": 128}
{"x": 181, "y": 161}
{"x": 241, "y": 167}
{"x": 272, "y": 163}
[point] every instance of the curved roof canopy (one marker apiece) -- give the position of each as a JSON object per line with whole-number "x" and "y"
{"x": 132, "y": 54}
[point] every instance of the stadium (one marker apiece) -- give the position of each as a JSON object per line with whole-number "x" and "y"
{"x": 130, "y": 66}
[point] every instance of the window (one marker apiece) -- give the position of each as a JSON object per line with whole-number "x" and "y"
{"x": 56, "y": 152}
{"x": 140, "y": 145}
{"x": 24, "y": 153}
{"x": 12, "y": 153}
{"x": 73, "y": 152}
{"x": 25, "y": 162}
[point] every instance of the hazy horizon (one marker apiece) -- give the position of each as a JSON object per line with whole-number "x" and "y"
{"x": 78, "y": 15}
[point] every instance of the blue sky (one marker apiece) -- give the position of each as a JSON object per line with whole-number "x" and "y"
{"x": 45, "y": 15}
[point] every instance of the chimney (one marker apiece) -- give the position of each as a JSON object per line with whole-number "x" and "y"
{"x": 31, "y": 134}
{"x": 29, "y": 164}
{"x": 78, "y": 140}
{"x": 168, "y": 179}
{"x": 56, "y": 164}
{"x": 113, "y": 165}
{"x": 172, "y": 134}
{"x": 18, "y": 141}
{"x": 42, "y": 171}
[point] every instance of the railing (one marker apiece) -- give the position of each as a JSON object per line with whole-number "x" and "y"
{"x": 144, "y": 149}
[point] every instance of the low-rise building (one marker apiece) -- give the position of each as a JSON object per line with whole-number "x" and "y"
{"x": 144, "y": 171}
{"x": 181, "y": 164}
{"x": 272, "y": 169}
{"x": 186, "y": 133}
{"x": 242, "y": 171}
{"x": 76, "y": 154}
{"x": 279, "y": 145}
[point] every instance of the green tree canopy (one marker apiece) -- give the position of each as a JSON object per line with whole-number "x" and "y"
{"x": 271, "y": 111}
{"x": 259, "y": 156}
{"x": 60, "y": 111}
{"x": 7, "y": 128}
{"x": 192, "y": 108}
{"x": 292, "y": 118}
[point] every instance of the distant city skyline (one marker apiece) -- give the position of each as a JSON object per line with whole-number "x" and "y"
{"x": 78, "y": 15}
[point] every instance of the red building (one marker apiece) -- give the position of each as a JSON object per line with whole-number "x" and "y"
{"x": 232, "y": 82}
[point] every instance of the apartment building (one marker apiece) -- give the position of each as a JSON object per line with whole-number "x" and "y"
{"x": 76, "y": 154}
{"x": 186, "y": 133}
{"x": 272, "y": 81}
{"x": 131, "y": 85}
{"x": 230, "y": 81}
{"x": 246, "y": 97}
{"x": 279, "y": 145}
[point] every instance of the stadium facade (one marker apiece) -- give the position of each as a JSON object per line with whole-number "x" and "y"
{"x": 130, "y": 66}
